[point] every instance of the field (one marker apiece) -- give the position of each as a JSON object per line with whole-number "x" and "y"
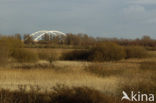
{"x": 115, "y": 77}
{"x": 71, "y": 74}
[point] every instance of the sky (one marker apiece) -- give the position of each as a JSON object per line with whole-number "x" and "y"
{"x": 98, "y": 18}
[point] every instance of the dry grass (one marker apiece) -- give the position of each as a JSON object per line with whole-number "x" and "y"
{"x": 72, "y": 73}
{"x": 48, "y": 78}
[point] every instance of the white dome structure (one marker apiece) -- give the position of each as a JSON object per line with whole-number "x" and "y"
{"x": 39, "y": 34}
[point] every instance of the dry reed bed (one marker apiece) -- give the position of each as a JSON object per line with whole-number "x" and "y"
{"x": 73, "y": 74}
{"x": 48, "y": 78}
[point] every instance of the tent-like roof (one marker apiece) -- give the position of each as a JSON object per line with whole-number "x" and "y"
{"x": 39, "y": 34}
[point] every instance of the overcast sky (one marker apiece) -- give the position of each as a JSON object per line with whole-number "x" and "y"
{"x": 103, "y": 18}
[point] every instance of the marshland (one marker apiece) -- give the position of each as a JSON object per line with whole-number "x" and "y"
{"x": 74, "y": 70}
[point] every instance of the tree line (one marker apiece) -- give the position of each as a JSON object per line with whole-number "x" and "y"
{"x": 85, "y": 40}
{"x": 13, "y": 48}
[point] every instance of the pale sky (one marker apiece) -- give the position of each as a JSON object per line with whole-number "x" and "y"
{"x": 103, "y": 18}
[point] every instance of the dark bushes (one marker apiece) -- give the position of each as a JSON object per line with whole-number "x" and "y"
{"x": 3, "y": 55}
{"x": 101, "y": 52}
{"x": 22, "y": 97}
{"x": 76, "y": 55}
{"x": 7, "y": 46}
{"x": 12, "y": 47}
{"x": 136, "y": 52}
{"x": 60, "y": 94}
{"x": 78, "y": 95}
{"x": 24, "y": 55}
{"x": 107, "y": 52}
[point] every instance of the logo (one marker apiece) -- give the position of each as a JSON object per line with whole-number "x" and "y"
{"x": 138, "y": 97}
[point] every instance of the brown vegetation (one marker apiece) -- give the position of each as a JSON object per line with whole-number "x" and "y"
{"x": 120, "y": 68}
{"x": 136, "y": 52}
{"x": 60, "y": 94}
{"x": 76, "y": 55}
{"x": 12, "y": 47}
{"x": 24, "y": 55}
{"x": 101, "y": 70}
{"x": 8, "y": 45}
{"x": 107, "y": 52}
{"x": 84, "y": 41}
{"x": 111, "y": 79}
{"x": 148, "y": 65}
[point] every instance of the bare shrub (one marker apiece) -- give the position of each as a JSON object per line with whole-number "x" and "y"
{"x": 22, "y": 96}
{"x": 48, "y": 56}
{"x": 24, "y": 55}
{"x": 7, "y": 46}
{"x": 63, "y": 94}
{"x": 4, "y": 52}
{"x": 136, "y": 52}
{"x": 52, "y": 57}
{"x": 60, "y": 94}
{"x": 107, "y": 52}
